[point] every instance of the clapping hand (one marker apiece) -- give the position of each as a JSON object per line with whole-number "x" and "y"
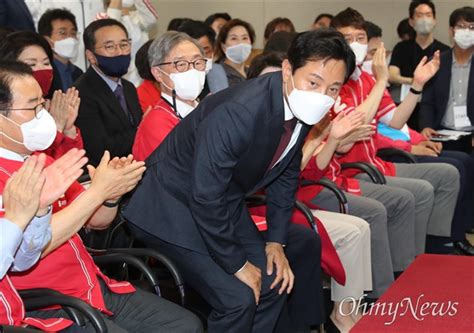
{"x": 425, "y": 71}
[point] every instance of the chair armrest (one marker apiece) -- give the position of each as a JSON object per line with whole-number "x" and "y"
{"x": 375, "y": 175}
{"x": 102, "y": 257}
{"x": 161, "y": 258}
{"x": 330, "y": 185}
{"x": 35, "y": 299}
{"x": 394, "y": 152}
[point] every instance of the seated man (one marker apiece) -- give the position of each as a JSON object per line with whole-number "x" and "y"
{"x": 59, "y": 27}
{"x": 191, "y": 203}
{"x": 65, "y": 265}
{"x": 447, "y": 100}
{"x": 362, "y": 93}
{"x": 109, "y": 113}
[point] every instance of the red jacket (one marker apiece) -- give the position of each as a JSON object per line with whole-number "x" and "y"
{"x": 62, "y": 144}
{"x": 148, "y": 94}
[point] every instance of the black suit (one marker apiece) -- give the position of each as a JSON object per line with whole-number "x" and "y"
{"x": 14, "y": 14}
{"x": 103, "y": 123}
{"x": 190, "y": 202}
{"x": 436, "y": 94}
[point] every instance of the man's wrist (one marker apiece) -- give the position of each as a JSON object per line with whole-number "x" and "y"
{"x": 242, "y": 268}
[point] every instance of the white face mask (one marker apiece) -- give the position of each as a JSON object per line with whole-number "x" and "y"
{"x": 424, "y": 26}
{"x": 238, "y": 53}
{"x": 38, "y": 133}
{"x": 464, "y": 38}
{"x": 308, "y": 106}
{"x": 67, "y": 48}
{"x": 208, "y": 65}
{"x": 360, "y": 51}
{"x": 187, "y": 85}
{"x": 367, "y": 66}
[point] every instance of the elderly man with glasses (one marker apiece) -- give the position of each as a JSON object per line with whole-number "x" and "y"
{"x": 110, "y": 112}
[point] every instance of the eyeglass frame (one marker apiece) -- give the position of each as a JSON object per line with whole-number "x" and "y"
{"x": 116, "y": 46}
{"x": 175, "y": 63}
{"x": 42, "y": 104}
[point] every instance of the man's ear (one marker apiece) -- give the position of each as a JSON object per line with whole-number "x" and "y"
{"x": 50, "y": 41}
{"x": 91, "y": 57}
{"x": 411, "y": 22}
{"x": 286, "y": 70}
{"x": 156, "y": 74}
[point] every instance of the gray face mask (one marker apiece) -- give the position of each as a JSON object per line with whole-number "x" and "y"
{"x": 424, "y": 26}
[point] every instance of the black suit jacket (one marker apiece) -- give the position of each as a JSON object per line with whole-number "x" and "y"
{"x": 193, "y": 193}
{"x": 14, "y": 14}
{"x": 436, "y": 94}
{"x": 103, "y": 124}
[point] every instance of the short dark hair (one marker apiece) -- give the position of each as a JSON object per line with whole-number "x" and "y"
{"x": 404, "y": 28}
{"x": 415, "y": 3}
{"x": 373, "y": 30}
{"x": 45, "y": 23}
{"x": 8, "y": 71}
{"x": 141, "y": 62}
{"x": 262, "y": 61}
{"x": 280, "y": 41}
{"x": 91, "y": 29}
{"x": 273, "y": 24}
{"x": 14, "y": 43}
{"x": 225, "y": 31}
{"x": 321, "y": 44}
{"x": 176, "y": 22}
{"x": 349, "y": 17}
{"x": 463, "y": 13}
{"x": 198, "y": 29}
{"x": 320, "y": 16}
{"x": 211, "y": 18}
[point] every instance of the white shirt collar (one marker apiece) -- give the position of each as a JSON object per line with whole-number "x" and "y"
{"x": 11, "y": 155}
{"x": 183, "y": 108}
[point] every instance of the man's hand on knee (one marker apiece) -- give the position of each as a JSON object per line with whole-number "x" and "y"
{"x": 251, "y": 275}
{"x": 284, "y": 274}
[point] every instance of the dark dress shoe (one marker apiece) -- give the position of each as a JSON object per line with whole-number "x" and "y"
{"x": 463, "y": 248}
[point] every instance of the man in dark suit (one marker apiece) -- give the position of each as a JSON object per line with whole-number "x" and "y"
{"x": 448, "y": 99}
{"x": 110, "y": 112}
{"x": 14, "y": 14}
{"x": 191, "y": 203}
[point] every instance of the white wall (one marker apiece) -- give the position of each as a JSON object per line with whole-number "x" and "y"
{"x": 385, "y": 13}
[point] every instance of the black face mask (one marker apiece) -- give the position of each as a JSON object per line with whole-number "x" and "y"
{"x": 113, "y": 66}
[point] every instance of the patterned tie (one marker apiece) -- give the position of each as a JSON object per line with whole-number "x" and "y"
{"x": 123, "y": 103}
{"x": 288, "y": 128}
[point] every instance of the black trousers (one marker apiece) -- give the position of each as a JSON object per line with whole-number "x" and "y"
{"x": 138, "y": 312}
{"x": 233, "y": 302}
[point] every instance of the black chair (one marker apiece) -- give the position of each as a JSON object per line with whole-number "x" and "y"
{"x": 14, "y": 329}
{"x": 375, "y": 175}
{"x": 76, "y": 309}
{"x": 390, "y": 154}
{"x": 330, "y": 185}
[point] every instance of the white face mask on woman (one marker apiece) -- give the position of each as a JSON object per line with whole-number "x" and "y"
{"x": 308, "y": 106}
{"x": 38, "y": 133}
{"x": 238, "y": 53}
{"x": 464, "y": 38}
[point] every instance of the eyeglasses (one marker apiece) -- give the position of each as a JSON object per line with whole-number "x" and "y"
{"x": 64, "y": 33}
{"x": 469, "y": 26}
{"x": 37, "y": 109}
{"x": 183, "y": 65}
{"x": 111, "y": 47}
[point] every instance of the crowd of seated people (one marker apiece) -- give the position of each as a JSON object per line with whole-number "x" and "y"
{"x": 176, "y": 132}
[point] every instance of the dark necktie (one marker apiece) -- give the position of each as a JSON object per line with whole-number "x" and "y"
{"x": 123, "y": 103}
{"x": 288, "y": 128}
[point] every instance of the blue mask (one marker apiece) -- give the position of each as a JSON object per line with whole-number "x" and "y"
{"x": 113, "y": 66}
